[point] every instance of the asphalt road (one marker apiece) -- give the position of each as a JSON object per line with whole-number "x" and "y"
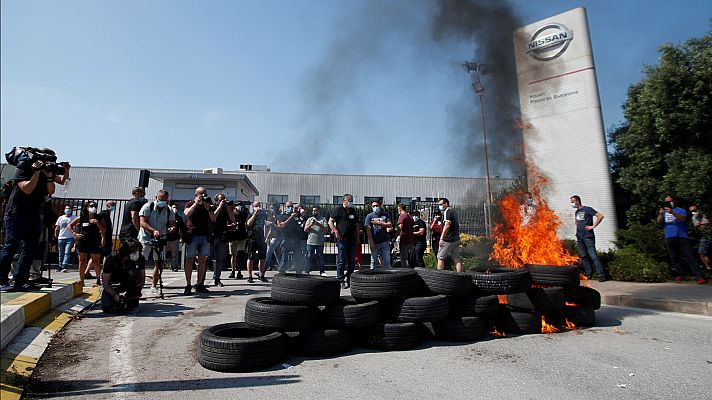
{"x": 630, "y": 354}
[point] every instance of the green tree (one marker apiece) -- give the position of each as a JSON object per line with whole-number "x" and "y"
{"x": 665, "y": 144}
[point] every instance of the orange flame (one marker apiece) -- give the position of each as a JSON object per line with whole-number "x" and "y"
{"x": 548, "y": 328}
{"x": 569, "y": 325}
{"x": 571, "y": 304}
{"x": 528, "y": 234}
{"x": 497, "y": 334}
{"x": 502, "y": 298}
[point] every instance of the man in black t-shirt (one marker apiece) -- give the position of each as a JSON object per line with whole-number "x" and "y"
{"x": 130, "y": 222}
{"x": 224, "y": 217}
{"x": 124, "y": 273}
{"x": 23, "y": 223}
{"x": 343, "y": 223}
{"x": 238, "y": 244}
{"x": 199, "y": 215}
{"x": 291, "y": 235}
{"x": 419, "y": 244}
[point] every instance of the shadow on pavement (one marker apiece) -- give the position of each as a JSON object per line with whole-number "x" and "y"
{"x": 146, "y": 309}
{"x": 608, "y": 316}
{"x": 69, "y": 388}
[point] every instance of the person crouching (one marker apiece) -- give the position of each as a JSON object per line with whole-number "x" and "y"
{"x": 123, "y": 278}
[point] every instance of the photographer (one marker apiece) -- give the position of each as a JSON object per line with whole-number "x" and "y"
{"x": 238, "y": 246}
{"x": 157, "y": 219}
{"x": 32, "y": 184}
{"x": 124, "y": 272}
{"x": 199, "y": 215}
{"x": 224, "y": 216}
{"x": 291, "y": 235}
{"x": 257, "y": 247}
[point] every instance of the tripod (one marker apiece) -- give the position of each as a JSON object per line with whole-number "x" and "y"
{"x": 157, "y": 247}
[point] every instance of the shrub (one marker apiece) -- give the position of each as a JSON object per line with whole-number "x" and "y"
{"x": 431, "y": 261}
{"x": 631, "y": 265}
{"x": 645, "y": 238}
{"x": 474, "y": 250}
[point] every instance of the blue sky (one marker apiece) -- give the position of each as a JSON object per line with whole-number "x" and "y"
{"x": 197, "y": 84}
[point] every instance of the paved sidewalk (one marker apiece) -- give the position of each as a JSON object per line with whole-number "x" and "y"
{"x": 686, "y": 297}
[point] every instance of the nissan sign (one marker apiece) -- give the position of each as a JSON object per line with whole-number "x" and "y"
{"x": 549, "y": 42}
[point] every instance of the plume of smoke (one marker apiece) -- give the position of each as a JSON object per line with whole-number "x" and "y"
{"x": 372, "y": 41}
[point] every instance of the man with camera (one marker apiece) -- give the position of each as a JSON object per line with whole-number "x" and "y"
{"x": 157, "y": 219}
{"x": 291, "y": 235}
{"x": 674, "y": 221}
{"x": 199, "y": 215}
{"x": 122, "y": 278}
{"x": 257, "y": 245}
{"x": 238, "y": 243}
{"x": 33, "y": 182}
{"x": 224, "y": 217}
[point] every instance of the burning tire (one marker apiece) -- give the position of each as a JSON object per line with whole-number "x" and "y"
{"x": 237, "y": 347}
{"x": 384, "y": 284}
{"x": 265, "y": 313}
{"x": 519, "y": 322}
{"x": 320, "y": 342}
{"x": 485, "y": 306}
{"x": 553, "y": 275}
{"x": 457, "y": 329}
{"x": 583, "y": 296}
{"x": 446, "y": 282}
{"x": 347, "y": 313}
{"x": 581, "y": 315}
{"x": 540, "y": 299}
{"x": 500, "y": 280}
{"x": 391, "y": 336}
{"x": 307, "y": 290}
{"x": 417, "y": 309}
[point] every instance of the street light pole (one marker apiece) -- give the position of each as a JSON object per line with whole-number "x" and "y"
{"x": 480, "y": 91}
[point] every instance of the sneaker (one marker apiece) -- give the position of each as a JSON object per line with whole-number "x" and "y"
{"x": 250, "y": 280}
{"x": 344, "y": 285}
{"x": 702, "y": 281}
{"x": 263, "y": 278}
{"x": 25, "y": 287}
{"x": 232, "y": 275}
{"x": 218, "y": 283}
{"x": 5, "y": 287}
{"x": 322, "y": 273}
{"x": 602, "y": 279}
{"x": 188, "y": 290}
{"x": 88, "y": 275}
{"x": 239, "y": 275}
{"x": 200, "y": 288}
{"x": 154, "y": 290}
{"x": 678, "y": 279}
{"x": 64, "y": 270}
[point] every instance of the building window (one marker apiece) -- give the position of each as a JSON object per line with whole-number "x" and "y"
{"x": 370, "y": 199}
{"x": 338, "y": 199}
{"x": 277, "y": 198}
{"x": 405, "y": 200}
{"x": 309, "y": 199}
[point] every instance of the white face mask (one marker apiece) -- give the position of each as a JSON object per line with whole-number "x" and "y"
{"x": 134, "y": 256}
{"x": 92, "y": 210}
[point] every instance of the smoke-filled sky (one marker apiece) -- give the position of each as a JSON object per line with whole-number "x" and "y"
{"x": 364, "y": 87}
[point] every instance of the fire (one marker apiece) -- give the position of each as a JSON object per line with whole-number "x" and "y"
{"x": 548, "y": 328}
{"x": 497, "y": 334}
{"x": 569, "y": 325}
{"x": 571, "y": 304}
{"x": 528, "y": 234}
{"x": 502, "y": 298}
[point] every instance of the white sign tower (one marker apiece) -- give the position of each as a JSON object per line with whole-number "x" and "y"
{"x": 564, "y": 136}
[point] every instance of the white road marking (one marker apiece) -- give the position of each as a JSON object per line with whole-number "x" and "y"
{"x": 122, "y": 371}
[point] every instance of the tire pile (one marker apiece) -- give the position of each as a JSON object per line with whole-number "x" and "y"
{"x": 393, "y": 309}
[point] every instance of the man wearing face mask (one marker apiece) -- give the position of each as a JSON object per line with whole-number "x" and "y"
{"x": 419, "y": 244}
{"x": 130, "y": 223}
{"x": 674, "y": 221}
{"x": 585, "y": 238}
{"x": 291, "y": 236}
{"x": 449, "y": 245}
{"x": 199, "y": 215}
{"x": 65, "y": 238}
{"x": 315, "y": 228}
{"x": 157, "y": 219}
{"x": 376, "y": 224}
{"x": 122, "y": 278}
{"x": 224, "y": 217}
{"x": 343, "y": 223}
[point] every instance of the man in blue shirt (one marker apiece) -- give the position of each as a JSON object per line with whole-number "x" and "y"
{"x": 377, "y": 225}
{"x": 586, "y": 239}
{"x": 674, "y": 220}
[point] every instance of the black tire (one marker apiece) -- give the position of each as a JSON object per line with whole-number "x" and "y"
{"x": 237, "y": 347}
{"x": 519, "y": 322}
{"x": 540, "y": 299}
{"x": 310, "y": 290}
{"x": 320, "y": 342}
{"x": 446, "y": 282}
{"x": 266, "y": 313}
{"x": 484, "y": 306}
{"x": 581, "y": 316}
{"x": 583, "y": 296}
{"x": 390, "y": 336}
{"x": 384, "y": 284}
{"x": 500, "y": 280}
{"x": 417, "y": 309}
{"x": 347, "y": 313}
{"x": 457, "y": 329}
{"x": 554, "y": 275}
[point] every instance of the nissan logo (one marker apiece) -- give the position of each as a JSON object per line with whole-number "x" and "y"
{"x": 549, "y": 42}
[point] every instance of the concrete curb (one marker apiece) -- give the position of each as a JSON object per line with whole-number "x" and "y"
{"x": 680, "y": 306}
{"x": 22, "y": 311}
{"x": 19, "y": 359}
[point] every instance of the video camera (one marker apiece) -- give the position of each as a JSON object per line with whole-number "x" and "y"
{"x": 25, "y": 157}
{"x": 665, "y": 204}
{"x": 158, "y": 242}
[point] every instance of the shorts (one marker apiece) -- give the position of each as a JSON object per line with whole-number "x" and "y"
{"x": 199, "y": 246}
{"x": 86, "y": 247}
{"x": 147, "y": 251}
{"x": 256, "y": 250}
{"x": 237, "y": 246}
{"x": 449, "y": 249}
{"x": 704, "y": 247}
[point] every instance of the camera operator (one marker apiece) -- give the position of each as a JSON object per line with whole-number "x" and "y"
{"x": 130, "y": 223}
{"x": 257, "y": 245}
{"x": 238, "y": 246}
{"x": 224, "y": 216}
{"x": 23, "y": 222}
{"x": 124, "y": 272}
{"x": 199, "y": 215}
{"x": 157, "y": 219}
